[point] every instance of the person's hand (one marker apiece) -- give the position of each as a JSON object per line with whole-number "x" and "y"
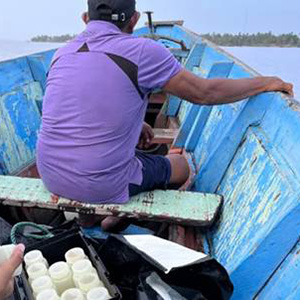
{"x": 277, "y": 85}
{"x": 146, "y": 137}
{"x": 7, "y": 270}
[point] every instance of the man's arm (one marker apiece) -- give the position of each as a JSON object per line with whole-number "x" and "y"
{"x": 221, "y": 91}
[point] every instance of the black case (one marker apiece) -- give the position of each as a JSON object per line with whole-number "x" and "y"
{"x": 54, "y": 250}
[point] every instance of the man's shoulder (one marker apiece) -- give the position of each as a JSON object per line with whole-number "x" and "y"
{"x": 67, "y": 48}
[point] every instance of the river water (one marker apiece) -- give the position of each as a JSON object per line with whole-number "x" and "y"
{"x": 282, "y": 62}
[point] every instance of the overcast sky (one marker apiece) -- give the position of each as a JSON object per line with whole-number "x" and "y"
{"x": 23, "y": 19}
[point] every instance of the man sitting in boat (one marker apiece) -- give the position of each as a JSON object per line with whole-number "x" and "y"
{"x": 95, "y": 103}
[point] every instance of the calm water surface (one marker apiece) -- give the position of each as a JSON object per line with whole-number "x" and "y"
{"x": 282, "y": 62}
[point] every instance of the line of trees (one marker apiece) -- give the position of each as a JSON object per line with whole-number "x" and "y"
{"x": 53, "y": 39}
{"x": 242, "y": 39}
{"x": 257, "y": 40}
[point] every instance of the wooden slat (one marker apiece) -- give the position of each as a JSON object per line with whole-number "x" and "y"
{"x": 171, "y": 206}
{"x": 164, "y": 136}
{"x": 158, "y": 98}
{"x": 167, "y": 23}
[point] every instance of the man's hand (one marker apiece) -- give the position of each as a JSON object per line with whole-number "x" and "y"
{"x": 278, "y": 85}
{"x": 146, "y": 137}
{"x": 7, "y": 270}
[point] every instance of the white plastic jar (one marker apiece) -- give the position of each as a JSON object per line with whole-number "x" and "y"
{"x": 49, "y": 294}
{"x": 100, "y": 293}
{"x": 61, "y": 276}
{"x": 5, "y": 253}
{"x": 74, "y": 255}
{"x": 89, "y": 282}
{"x": 81, "y": 268}
{"x": 72, "y": 294}
{"x": 41, "y": 284}
{"x": 36, "y": 270}
{"x": 34, "y": 257}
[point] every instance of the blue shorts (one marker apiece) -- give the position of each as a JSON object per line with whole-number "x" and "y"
{"x": 156, "y": 173}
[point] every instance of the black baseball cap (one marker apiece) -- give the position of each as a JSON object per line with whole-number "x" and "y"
{"x": 115, "y": 11}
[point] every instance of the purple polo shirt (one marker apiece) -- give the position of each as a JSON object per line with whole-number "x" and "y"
{"x": 93, "y": 113}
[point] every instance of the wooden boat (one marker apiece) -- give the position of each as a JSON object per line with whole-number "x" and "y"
{"x": 246, "y": 152}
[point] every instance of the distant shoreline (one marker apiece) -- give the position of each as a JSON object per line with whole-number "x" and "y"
{"x": 260, "y": 46}
{"x": 289, "y": 40}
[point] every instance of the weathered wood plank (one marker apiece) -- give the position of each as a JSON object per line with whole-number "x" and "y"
{"x": 13, "y": 74}
{"x": 164, "y": 136}
{"x": 179, "y": 54}
{"x": 285, "y": 283}
{"x": 19, "y": 125}
{"x": 170, "y": 206}
{"x": 260, "y": 222}
{"x": 39, "y": 64}
{"x": 167, "y": 23}
{"x": 222, "y": 133}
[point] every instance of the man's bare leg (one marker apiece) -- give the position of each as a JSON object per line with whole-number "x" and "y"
{"x": 180, "y": 172}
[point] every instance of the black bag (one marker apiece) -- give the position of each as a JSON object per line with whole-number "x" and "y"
{"x": 134, "y": 273}
{"x": 5, "y": 230}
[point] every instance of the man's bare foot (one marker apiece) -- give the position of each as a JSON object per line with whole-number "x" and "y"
{"x": 88, "y": 221}
{"x": 114, "y": 224}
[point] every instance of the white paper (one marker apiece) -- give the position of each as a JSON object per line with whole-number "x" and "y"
{"x": 162, "y": 289}
{"x": 168, "y": 254}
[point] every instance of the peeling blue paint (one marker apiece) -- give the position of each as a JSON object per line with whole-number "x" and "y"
{"x": 20, "y": 93}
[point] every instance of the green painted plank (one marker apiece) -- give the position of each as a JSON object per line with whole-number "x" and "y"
{"x": 173, "y": 206}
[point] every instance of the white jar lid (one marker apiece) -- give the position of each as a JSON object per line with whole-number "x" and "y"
{"x": 74, "y": 255}
{"x": 72, "y": 294}
{"x": 33, "y": 257}
{"x": 59, "y": 270}
{"x": 42, "y": 283}
{"x": 49, "y": 294}
{"x": 88, "y": 282}
{"x": 100, "y": 293}
{"x": 37, "y": 270}
{"x": 82, "y": 266}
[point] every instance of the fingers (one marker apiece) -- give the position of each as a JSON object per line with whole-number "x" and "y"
{"x": 140, "y": 144}
{"x": 149, "y": 136}
{"x": 146, "y": 138}
{"x": 278, "y": 85}
{"x": 286, "y": 87}
{"x": 10, "y": 266}
{"x": 9, "y": 289}
{"x": 289, "y": 89}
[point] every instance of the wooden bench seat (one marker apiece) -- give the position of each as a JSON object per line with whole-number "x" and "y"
{"x": 185, "y": 208}
{"x": 164, "y": 136}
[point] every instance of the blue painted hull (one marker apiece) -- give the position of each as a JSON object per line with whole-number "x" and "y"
{"x": 248, "y": 152}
